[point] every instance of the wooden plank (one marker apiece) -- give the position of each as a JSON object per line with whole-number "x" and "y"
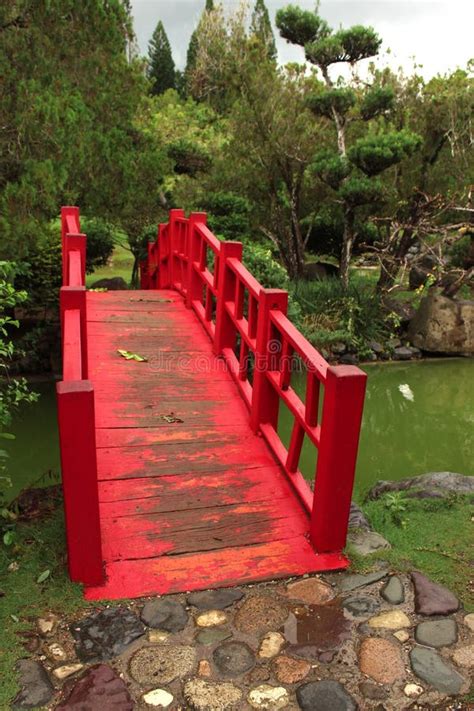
{"x": 178, "y": 433}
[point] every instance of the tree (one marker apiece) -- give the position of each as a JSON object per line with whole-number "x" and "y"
{"x": 194, "y": 46}
{"x": 261, "y": 28}
{"x": 161, "y": 70}
{"x": 351, "y": 172}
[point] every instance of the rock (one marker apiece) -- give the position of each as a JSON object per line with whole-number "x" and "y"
{"x": 317, "y": 629}
{"x": 203, "y": 695}
{"x": 361, "y": 606}
{"x": 436, "y": 633}
{"x": 443, "y": 325}
{"x": 258, "y": 674}
{"x": 47, "y": 625}
{"x": 393, "y": 592}
{"x": 204, "y": 668}
{"x": 212, "y": 636}
{"x": 357, "y": 518}
{"x": 55, "y": 652}
{"x": 290, "y": 671}
{"x": 310, "y": 590}
{"x": 352, "y": 582}
{"x": 319, "y": 270}
{"x": 36, "y": 688}
{"x": 441, "y": 483}
{"x": 431, "y": 668}
{"x": 390, "y": 620}
{"x": 405, "y": 312}
{"x": 271, "y": 645}
{"x": 260, "y": 613}
{"x": 338, "y": 348}
{"x": 376, "y": 347}
{"x": 367, "y": 542}
{"x": 106, "y": 634}
{"x": 157, "y": 636}
{"x": 212, "y": 618}
{"x": 98, "y": 689}
{"x": 67, "y": 670}
{"x": 158, "y": 697}
{"x": 464, "y": 656}
{"x": 215, "y": 599}
{"x": 403, "y": 353}
{"x": 111, "y": 284}
{"x": 372, "y": 691}
{"x": 381, "y": 659}
{"x": 324, "y": 696}
{"x": 268, "y": 697}
{"x": 432, "y": 598}
{"x": 393, "y": 343}
{"x": 233, "y": 658}
{"x": 413, "y": 691}
{"x": 163, "y": 664}
{"x": 469, "y": 621}
{"x": 165, "y": 614}
{"x": 402, "y": 635}
{"x": 349, "y": 359}
{"x": 421, "y": 270}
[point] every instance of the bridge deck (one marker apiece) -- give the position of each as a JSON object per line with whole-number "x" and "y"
{"x": 189, "y": 497}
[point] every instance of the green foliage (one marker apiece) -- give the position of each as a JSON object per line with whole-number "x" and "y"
{"x": 161, "y": 69}
{"x": 228, "y": 214}
{"x": 375, "y": 153}
{"x": 326, "y": 100}
{"x": 300, "y": 26}
{"x": 359, "y": 190}
{"x": 377, "y": 101}
{"x": 188, "y": 157}
{"x": 101, "y": 240}
{"x": 261, "y": 28}
{"x": 460, "y": 250}
{"x": 327, "y": 227}
{"x": 262, "y": 265}
{"x": 331, "y": 168}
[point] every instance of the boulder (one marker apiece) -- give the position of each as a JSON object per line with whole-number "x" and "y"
{"x": 432, "y": 485}
{"x": 319, "y": 270}
{"x": 112, "y": 284}
{"x": 443, "y": 325}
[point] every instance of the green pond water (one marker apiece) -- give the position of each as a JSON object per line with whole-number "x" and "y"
{"x": 418, "y": 417}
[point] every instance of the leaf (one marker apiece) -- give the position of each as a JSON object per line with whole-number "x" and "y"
{"x": 43, "y": 576}
{"x": 132, "y": 356}
{"x": 171, "y": 418}
{"x": 15, "y": 618}
{"x": 9, "y": 537}
{"x": 7, "y": 435}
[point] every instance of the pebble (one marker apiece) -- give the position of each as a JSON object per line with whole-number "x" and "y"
{"x": 158, "y": 697}
{"x": 381, "y": 659}
{"x": 434, "y": 670}
{"x": 212, "y": 635}
{"x": 56, "y": 653}
{"x": 213, "y": 618}
{"x": 469, "y": 621}
{"x": 372, "y": 691}
{"x": 310, "y": 591}
{"x": 36, "y": 688}
{"x": 258, "y": 674}
{"x": 431, "y": 598}
{"x": 391, "y": 620}
{"x": 157, "y": 636}
{"x": 367, "y": 542}
{"x": 436, "y": 633}
{"x": 464, "y": 656}
{"x": 361, "y": 606}
{"x": 204, "y": 668}
{"x": 290, "y": 671}
{"x": 106, "y": 634}
{"x": 163, "y": 664}
{"x": 215, "y": 599}
{"x": 47, "y": 625}
{"x": 260, "y": 613}
{"x": 402, "y": 635}
{"x": 268, "y": 697}
{"x": 165, "y": 614}
{"x": 271, "y": 645}
{"x": 413, "y": 690}
{"x": 67, "y": 670}
{"x": 324, "y": 696}
{"x": 203, "y": 695}
{"x": 352, "y": 582}
{"x": 233, "y": 658}
{"x": 99, "y": 688}
{"x": 393, "y": 592}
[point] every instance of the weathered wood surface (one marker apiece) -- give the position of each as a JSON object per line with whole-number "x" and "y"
{"x": 196, "y": 503}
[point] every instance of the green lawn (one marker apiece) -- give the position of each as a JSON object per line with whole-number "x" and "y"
{"x": 120, "y": 265}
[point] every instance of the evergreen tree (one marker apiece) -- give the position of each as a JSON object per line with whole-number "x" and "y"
{"x": 193, "y": 47}
{"x": 261, "y": 28}
{"x": 161, "y": 69}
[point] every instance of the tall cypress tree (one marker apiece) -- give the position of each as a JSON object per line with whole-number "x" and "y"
{"x": 261, "y": 27}
{"x": 161, "y": 69}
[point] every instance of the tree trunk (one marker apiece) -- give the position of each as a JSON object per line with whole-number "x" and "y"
{"x": 347, "y": 244}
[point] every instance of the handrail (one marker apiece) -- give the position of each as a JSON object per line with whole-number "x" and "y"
{"x": 250, "y": 330}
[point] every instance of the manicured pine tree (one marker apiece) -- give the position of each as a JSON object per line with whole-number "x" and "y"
{"x": 261, "y": 27}
{"x": 161, "y": 69}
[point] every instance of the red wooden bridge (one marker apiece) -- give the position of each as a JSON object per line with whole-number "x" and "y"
{"x": 174, "y": 472}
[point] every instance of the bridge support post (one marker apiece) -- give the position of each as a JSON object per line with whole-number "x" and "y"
{"x": 68, "y": 214}
{"x": 340, "y": 428}
{"x": 265, "y": 400}
{"x": 173, "y": 216}
{"x": 193, "y": 245}
{"x": 224, "y": 336}
{"x": 74, "y": 297}
{"x": 76, "y": 421}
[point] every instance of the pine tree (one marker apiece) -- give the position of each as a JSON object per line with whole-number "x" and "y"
{"x": 193, "y": 47}
{"x": 161, "y": 69}
{"x": 261, "y": 28}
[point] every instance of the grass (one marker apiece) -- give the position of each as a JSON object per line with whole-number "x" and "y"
{"x": 430, "y": 535}
{"x": 119, "y": 265}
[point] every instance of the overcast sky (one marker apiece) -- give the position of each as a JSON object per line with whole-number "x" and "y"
{"x": 439, "y": 33}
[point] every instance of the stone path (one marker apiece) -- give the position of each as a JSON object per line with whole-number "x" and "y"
{"x": 331, "y": 643}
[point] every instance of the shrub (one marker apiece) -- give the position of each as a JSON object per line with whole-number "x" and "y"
{"x": 460, "y": 250}
{"x": 228, "y": 214}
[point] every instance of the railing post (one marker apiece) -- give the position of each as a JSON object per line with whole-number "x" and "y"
{"x": 224, "y": 336}
{"x": 164, "y": 256}
{"x": 67, "y": 211}
{"x": 194, "y": 284}
{"x": 265, "y": 400}
{"x": 76, "y": 422}
{"x": 173, "y": 216}
{"x": 340, "y": 428}
{"x": 74, "y": 297}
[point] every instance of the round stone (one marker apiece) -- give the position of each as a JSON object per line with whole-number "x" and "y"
{"x": 157, "y": 636}
{"x": 271, "y": 645}
{"x": 67, "y": 670}
{"x": 324, "y": 695}
{"x": 464, "y": 656}
{"x": 431, "y": 668}
{"x": 165, "y": 614}
{"x": 290, "y": 671}
{"x": 99, "y": 687}
{"x": 436, "y": 633}
{"x": 258, "y": 674}
{"x": 431, "y": 598}
{"x": 392, "y": 620}
{"x": 212, "y": 618}
{"x": 310, "y": 591}
{"x": 201, "y": 695}
{"x": 413, "y": 691}
{"x": 373, "y": 691}
{"x": 212, "y": 635}
{"x": 215, "y": 599}
{"x": 260, "y": 613}
{"x": 106, "y": 634}
{"x": 158, "y": 697}
{"x": 36, "y": 688}
{"x": 233, "y": 658}
{"x": 317, "y": 629}
{"x": 381, "y": 660}
{"x": 402, "y": 635}
{"x": 204, "y": 668}
{"x": 393, "y": 591}
{"x": 360, "y": 606}
{"x": 469, "y": 621}
{"x": 163, "y": 664}
{"x": 266, "y": 696}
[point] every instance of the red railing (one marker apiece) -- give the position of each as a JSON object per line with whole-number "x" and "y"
{"x": 250, "y": 330}
{"x": 76, "y": 416}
